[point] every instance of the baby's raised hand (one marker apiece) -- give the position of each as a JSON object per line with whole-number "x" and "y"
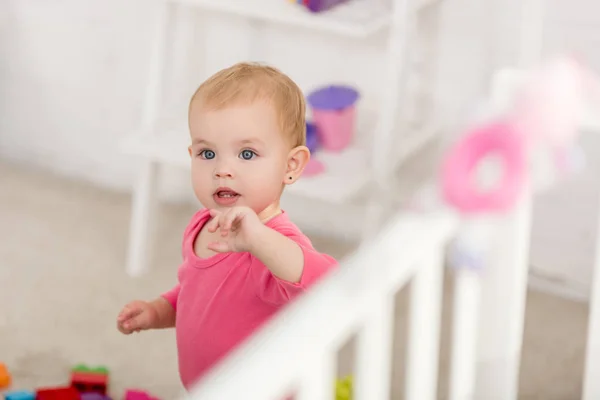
{"x": 237, "y": 226}
{"x": 136, "y": 316}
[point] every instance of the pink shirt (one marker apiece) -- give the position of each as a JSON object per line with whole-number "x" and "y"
{"x": 221, "y": 300}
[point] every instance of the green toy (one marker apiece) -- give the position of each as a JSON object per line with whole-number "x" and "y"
{"x": 343, "y": 388}
{"x": 85, "y": 369}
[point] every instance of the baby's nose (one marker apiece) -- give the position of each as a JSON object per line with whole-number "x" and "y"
{"x": 223, "y": 172}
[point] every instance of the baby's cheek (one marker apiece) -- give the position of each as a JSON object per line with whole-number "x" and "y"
{"x": 268, "y": 186}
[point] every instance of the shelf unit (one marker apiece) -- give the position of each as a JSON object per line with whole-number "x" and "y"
{"x": 351, "y": 173}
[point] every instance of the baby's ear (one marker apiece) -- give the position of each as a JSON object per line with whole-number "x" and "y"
{"x": 298, "y": 157}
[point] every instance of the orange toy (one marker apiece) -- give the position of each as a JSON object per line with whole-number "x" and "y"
{"x": 4, "y": 376}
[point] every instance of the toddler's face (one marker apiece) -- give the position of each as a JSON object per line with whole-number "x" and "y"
{"x": 239, "y": 156}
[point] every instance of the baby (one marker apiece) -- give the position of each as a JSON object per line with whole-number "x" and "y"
{"x": 243, "y": 259}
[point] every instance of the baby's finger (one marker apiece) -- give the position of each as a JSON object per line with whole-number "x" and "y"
{"x": 133, "y": 324}
{"x": 128, "y": 312}
{"x": 122, "y": 329}
{"x": 219, "y": 247}
{"x": 227, "y": 220}
{"x": 213, "y": 224}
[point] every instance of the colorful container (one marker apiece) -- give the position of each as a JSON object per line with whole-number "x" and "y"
{"x": 333, "y": 109}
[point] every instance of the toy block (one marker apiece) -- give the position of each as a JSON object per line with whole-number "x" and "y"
{"x": 20, "y": 395}
{"x": 86, "y": 379}
{"x": 84, "y": 368}
{"x": 57, "y": 393}
{"x": 133, "y": 394}
{"x": 89, "y": 382}
{"x": 5, "y": 378}
{"x": 343, "y": 388}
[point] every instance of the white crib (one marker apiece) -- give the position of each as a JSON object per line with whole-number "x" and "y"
{"x": 296, "y": 351}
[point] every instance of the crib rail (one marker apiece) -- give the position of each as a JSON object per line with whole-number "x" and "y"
{"x": 296, "y": 351}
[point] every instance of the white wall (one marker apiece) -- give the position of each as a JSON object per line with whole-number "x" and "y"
{"x": 72, "y": 75}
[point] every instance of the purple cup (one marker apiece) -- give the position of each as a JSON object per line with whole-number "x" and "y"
{"x": 333, "y": 113}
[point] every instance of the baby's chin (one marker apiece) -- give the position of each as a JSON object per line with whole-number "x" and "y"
{"x": 209, "y": 202}
{"x": 223, "y": 205}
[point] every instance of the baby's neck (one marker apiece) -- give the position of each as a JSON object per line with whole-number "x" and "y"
{"x": 269, "y": 212}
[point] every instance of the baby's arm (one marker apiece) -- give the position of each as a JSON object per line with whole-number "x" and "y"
{"x": 286, "y": 264}
{"x": 280, "y": 254}
{"x": 165, "y": 314}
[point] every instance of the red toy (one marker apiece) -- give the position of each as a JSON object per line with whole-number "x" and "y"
{"x": 59, "y": 393}
{"x": 87, "y": 380}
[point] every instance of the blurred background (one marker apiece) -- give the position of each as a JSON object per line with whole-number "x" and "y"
{"x": 73, "y": 82}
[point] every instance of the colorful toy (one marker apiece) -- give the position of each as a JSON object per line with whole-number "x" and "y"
{"x": 333, "y": 110}
{"x": 19, "y": 395}
{"x": 460, "y": 189}
{"x": 86, "y": 384}
{"x": 86, "y": 379}
{"x": 5, "y": 378}
{"x": 538, "y": 132}
{"x": 58, "y": 393}
{"x": 85, "y": 369}
{"x": 343, "y": 388}
{"x": 134, "y": 394}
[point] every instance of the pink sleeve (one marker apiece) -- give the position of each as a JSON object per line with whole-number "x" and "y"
{"x": 274, "y": 290}
{"x": 171, "y": 296}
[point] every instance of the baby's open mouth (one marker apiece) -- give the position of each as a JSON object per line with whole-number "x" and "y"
{"x": 226, "y": 193}
{"x": 226, "y": 197}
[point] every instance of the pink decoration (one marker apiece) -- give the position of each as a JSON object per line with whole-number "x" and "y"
{"x": 458, "y": 188}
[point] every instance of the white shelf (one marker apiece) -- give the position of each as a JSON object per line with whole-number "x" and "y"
{"x": 346, "y": 173}
{"x": 357, "y": 18}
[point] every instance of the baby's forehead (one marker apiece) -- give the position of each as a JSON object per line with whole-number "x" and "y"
{"x": 237, "y": 125}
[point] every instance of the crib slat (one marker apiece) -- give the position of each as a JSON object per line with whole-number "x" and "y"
{"x": 424, "y": 329}
{"x": 464, "y": 334}
{"x": 503, "y": 298}
{"x": 591, "y": 383}
{"x": 373, "y": 352}
{"x": 319, "y": 381}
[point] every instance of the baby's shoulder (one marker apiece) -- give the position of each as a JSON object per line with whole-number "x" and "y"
{"x": 286, "y": 227}
{"x": 196, "y": 222}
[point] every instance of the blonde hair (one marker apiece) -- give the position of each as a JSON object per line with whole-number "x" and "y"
{"x": 247, "y": 82}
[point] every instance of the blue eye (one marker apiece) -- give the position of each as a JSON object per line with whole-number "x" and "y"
{"x": 247, "y": 154}
{"x": 207, "y": 154}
